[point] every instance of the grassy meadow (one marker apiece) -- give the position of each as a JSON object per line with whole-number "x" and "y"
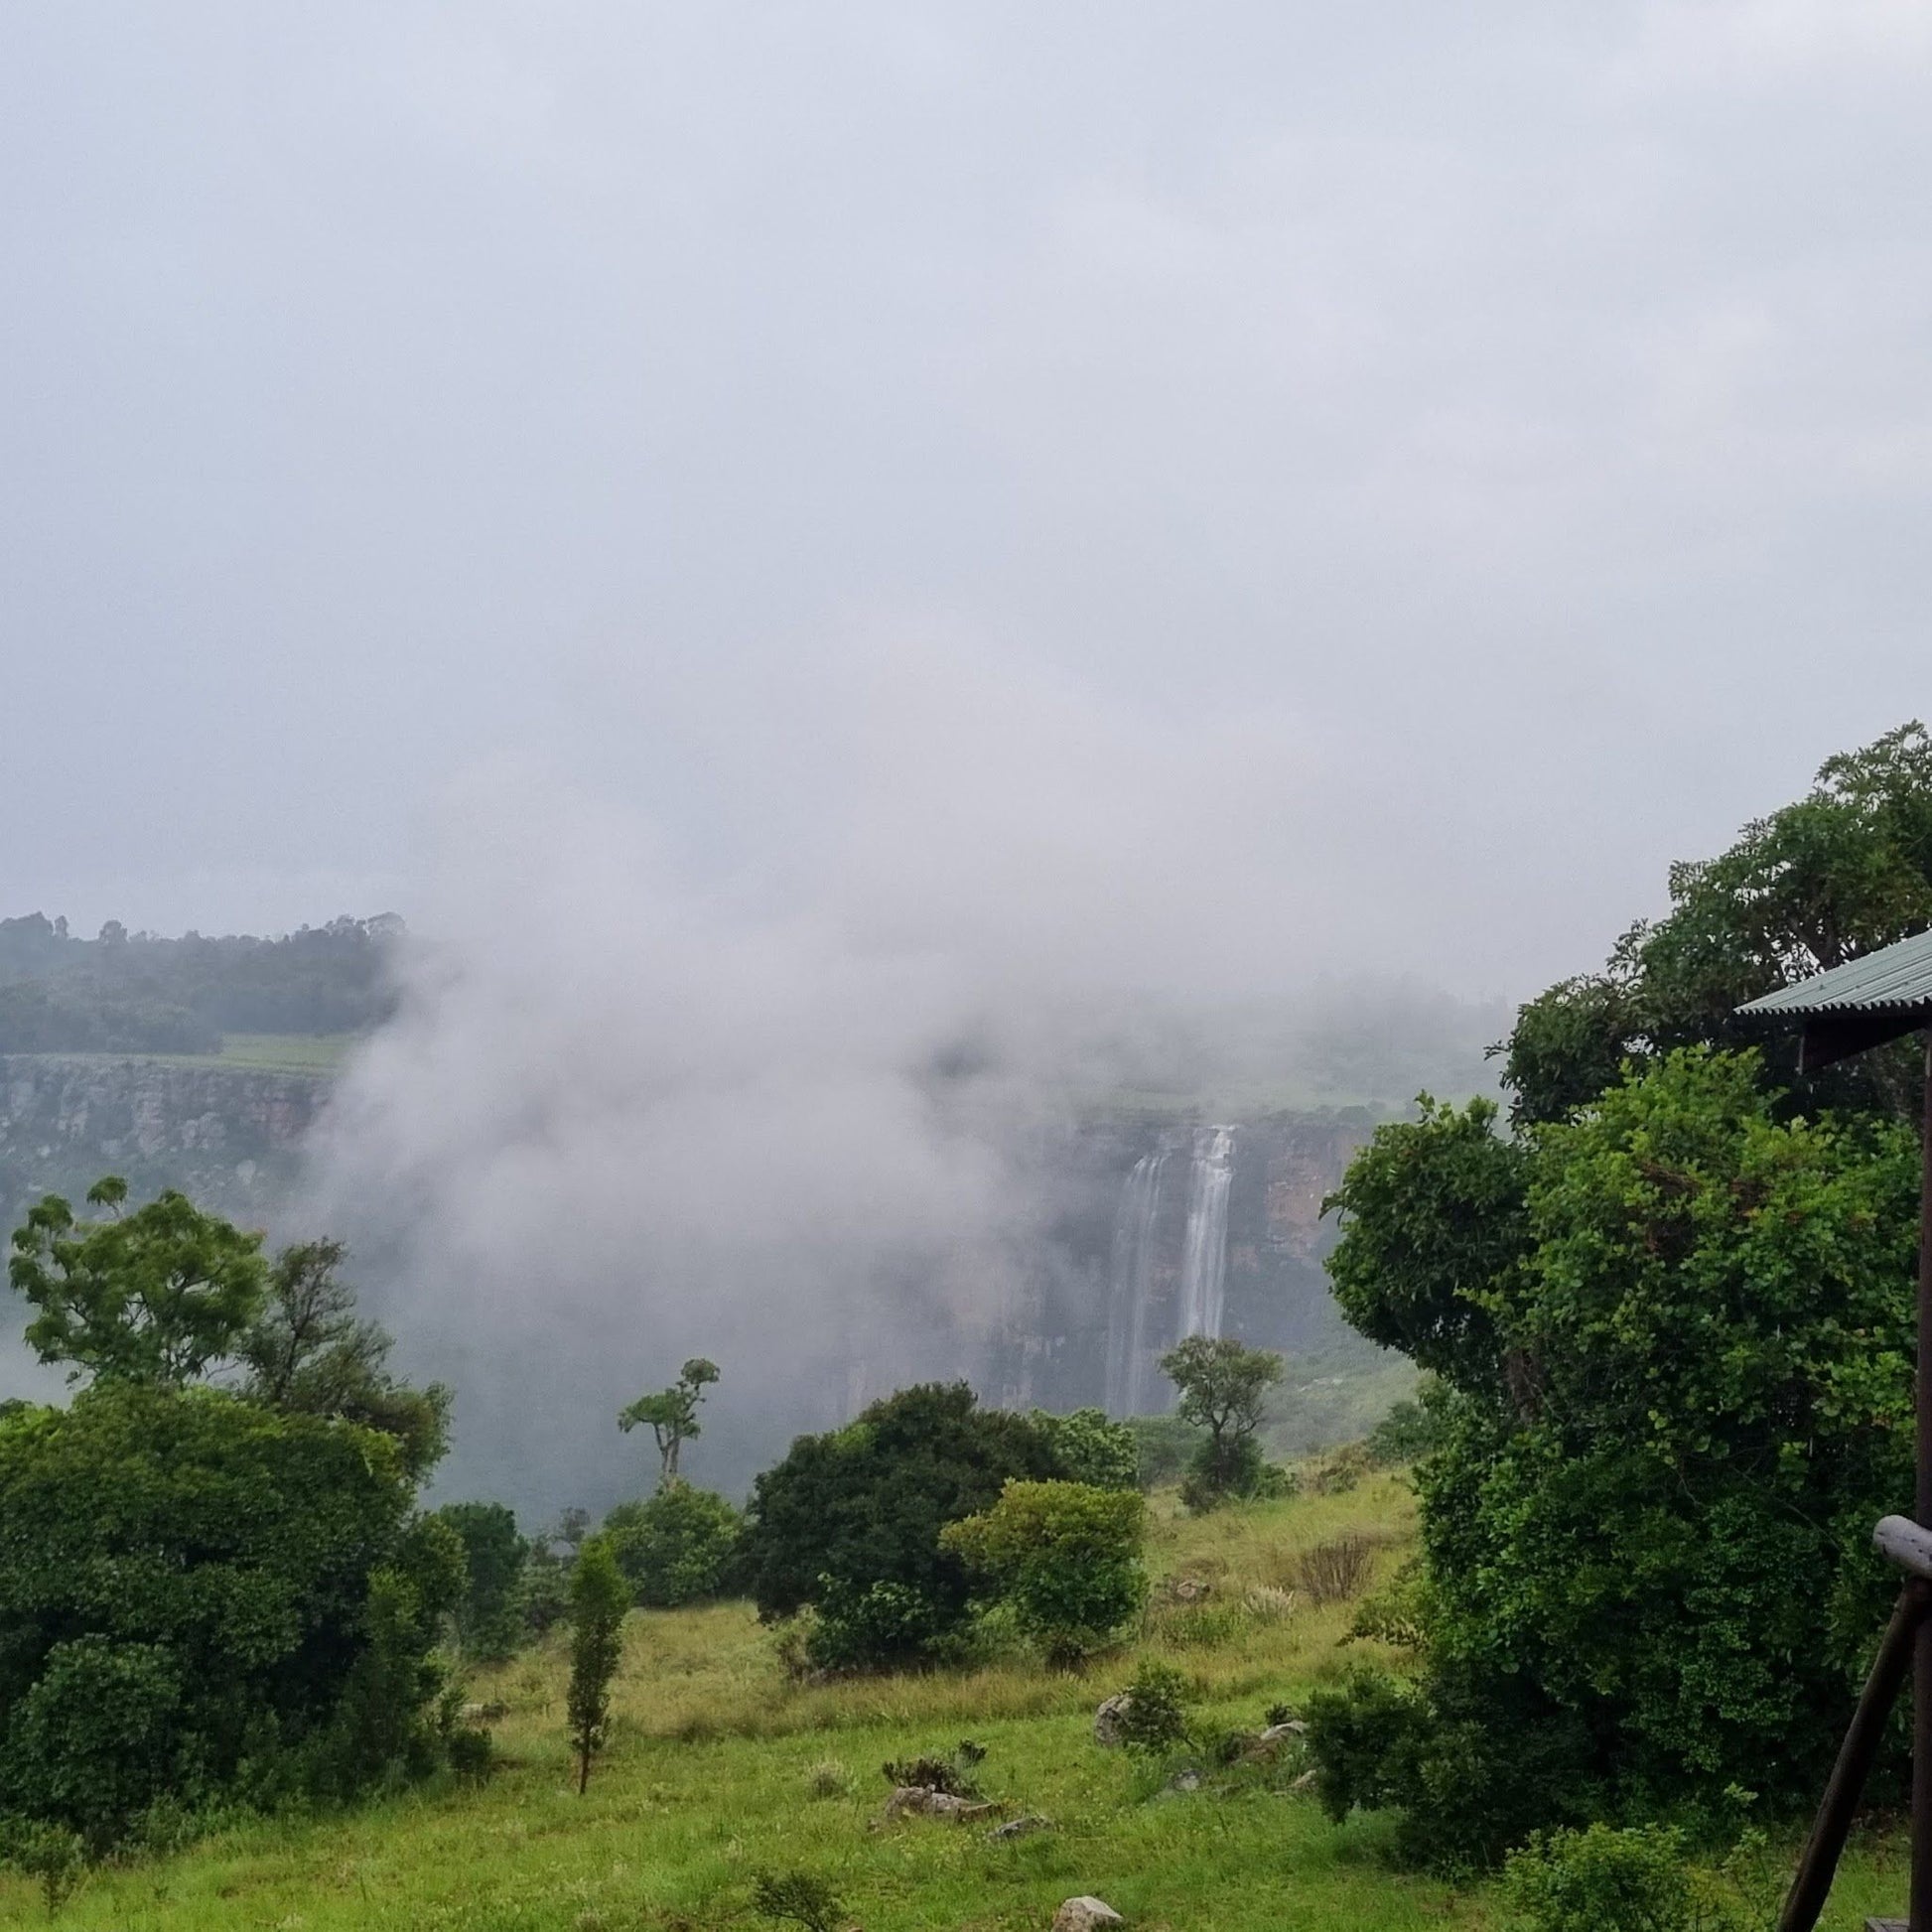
{"x": 721, "y": 1766}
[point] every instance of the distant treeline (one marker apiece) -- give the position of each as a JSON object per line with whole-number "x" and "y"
{"x": 142, "y": 993}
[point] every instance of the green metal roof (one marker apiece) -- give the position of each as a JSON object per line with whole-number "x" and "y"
{"x": 1895, "y": 979}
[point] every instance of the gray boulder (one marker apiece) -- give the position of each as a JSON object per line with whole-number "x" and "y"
{"x": 1106, "y": 1721}
{"x": 1023, "y": 1827}
{"x": 1085, "y": 1914}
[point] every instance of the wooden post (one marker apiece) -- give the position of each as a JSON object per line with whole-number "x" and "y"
{"x": 1921, "y": 1911}
{"x": 1819, "y": 1865}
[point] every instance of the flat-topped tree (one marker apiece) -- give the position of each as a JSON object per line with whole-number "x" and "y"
{"x": 672, "y": 1414}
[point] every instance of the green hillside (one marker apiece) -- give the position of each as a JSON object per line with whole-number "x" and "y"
{"x": 722, "y": 1766}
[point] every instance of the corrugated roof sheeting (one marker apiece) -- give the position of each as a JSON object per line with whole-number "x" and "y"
{"x": 1895, "y": 979}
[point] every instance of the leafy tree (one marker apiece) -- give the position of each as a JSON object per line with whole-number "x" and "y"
{"x": 1065, "y": 1555}
{"x": 599, "y": 1599}
{"x": 308, "y": 1352}
{"x": 672, "y": 1413}
{"x": 159, "y": 1295}
{"x": 1841, "y": 872}
{"x": 1693, "y": 1385}
{"x": 1090, "y": 1447}
{"x": 1224, "y": 1384}
{"x": 855, "y": 1513}
{"x": 1438, "y": 1216}
{"x": 490, "y": 1615}
{"x": 678, "y": 1547}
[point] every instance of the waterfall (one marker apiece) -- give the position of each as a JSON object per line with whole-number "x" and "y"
{"x": 1204, "y": 1256}
{"x": 1131, "y": 1285}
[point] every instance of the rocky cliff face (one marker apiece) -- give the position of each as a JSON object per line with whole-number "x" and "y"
{"x": 1163, "y": 1225}
{"x": 1139, "y": 1247}
{"x": 230, "y": 1136}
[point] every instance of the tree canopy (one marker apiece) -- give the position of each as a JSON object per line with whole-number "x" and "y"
{"x": 158, "y": 1294}
{"x": 850, "y": 1521}
{"x": 1841, "y": 872}
{"x": 1685, "y": 1383}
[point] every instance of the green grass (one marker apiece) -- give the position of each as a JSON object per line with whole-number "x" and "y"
{"x": 717, "y": 1757}
{"x": 286, "y": 1052}
{"x": 253, "y": 1053}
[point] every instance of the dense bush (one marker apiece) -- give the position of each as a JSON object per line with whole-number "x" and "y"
{"x": 1606, "y": 1880}
{"x": 1163, "y": 1444}
{"x": 1090, "y": 1449}
{"x": 489, "y": 1614}
{"x": 1404, "y": 1435}
{"x": 1674, "y": 1335}
{"x": 200, "y": 1596}
{"x": 678, "y": 1546}
{"x": 1065, "y": 1556}
{"x": 850, "y": 1521}
{"x": 1153, "y": 1717}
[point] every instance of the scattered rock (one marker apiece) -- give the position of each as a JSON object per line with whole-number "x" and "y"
{"x": 1306, "y": 1782}
{"x": 1022, "y": 1827}
{"x": 922, "y": 1801}
{"x": 1106, "y": 1721}
{"x": 1270, "y": 1743}
{"x": 484, "y": 1713}
{"x": 1085, "y": 1914}
{"x": 1186, "y": 1780}
{"x": 1188, "y": 1590}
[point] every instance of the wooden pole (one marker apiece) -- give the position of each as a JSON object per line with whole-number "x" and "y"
{"x": 1921, "y": 1913}
{"x": 1819, "y": 1865}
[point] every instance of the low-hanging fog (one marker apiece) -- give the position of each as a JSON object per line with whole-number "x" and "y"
{"x": 795, "y": 1118}
{"x": 865, "y": 576}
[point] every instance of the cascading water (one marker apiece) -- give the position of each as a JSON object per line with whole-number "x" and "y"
{"x": 1205, "y": 1255}
{"x": 1131, "y": 1286}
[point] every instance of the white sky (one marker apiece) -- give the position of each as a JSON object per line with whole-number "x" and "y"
{"x": 1111, "y": 485}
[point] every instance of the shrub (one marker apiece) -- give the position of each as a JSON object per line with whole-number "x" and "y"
{"x": 850, "y": 1521}
{"x": 1606, "y": 1880}
{"x": 952, "y": 1774}
{"x": 1340, "y": 1472}
{"x": 796, "y": 1898}
{"x": 1336, "y": 1571}
{"x": 879, "y": 1625}
{"x": 51, "y": 1855}
{"x": 1065, "y": 1556}
{"x": 1090, "y": 1449}
{"x": 1154, "y": 1719}
{"x": 1163, "y": 1444}
{"x": 1474, "y": 1764}
{"x": 1407, "y": 1433}
{"x": 1232, "y": 1471}
{"x": 193, "y": 1590}
{"x": 679, "y": 1546}
{"x": 489, "y": 1615}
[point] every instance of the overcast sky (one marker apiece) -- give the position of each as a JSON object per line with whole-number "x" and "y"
{"x": 1071, "y": 472}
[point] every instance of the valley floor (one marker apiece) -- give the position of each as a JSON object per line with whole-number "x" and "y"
{"x": 721, "y": 1768}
